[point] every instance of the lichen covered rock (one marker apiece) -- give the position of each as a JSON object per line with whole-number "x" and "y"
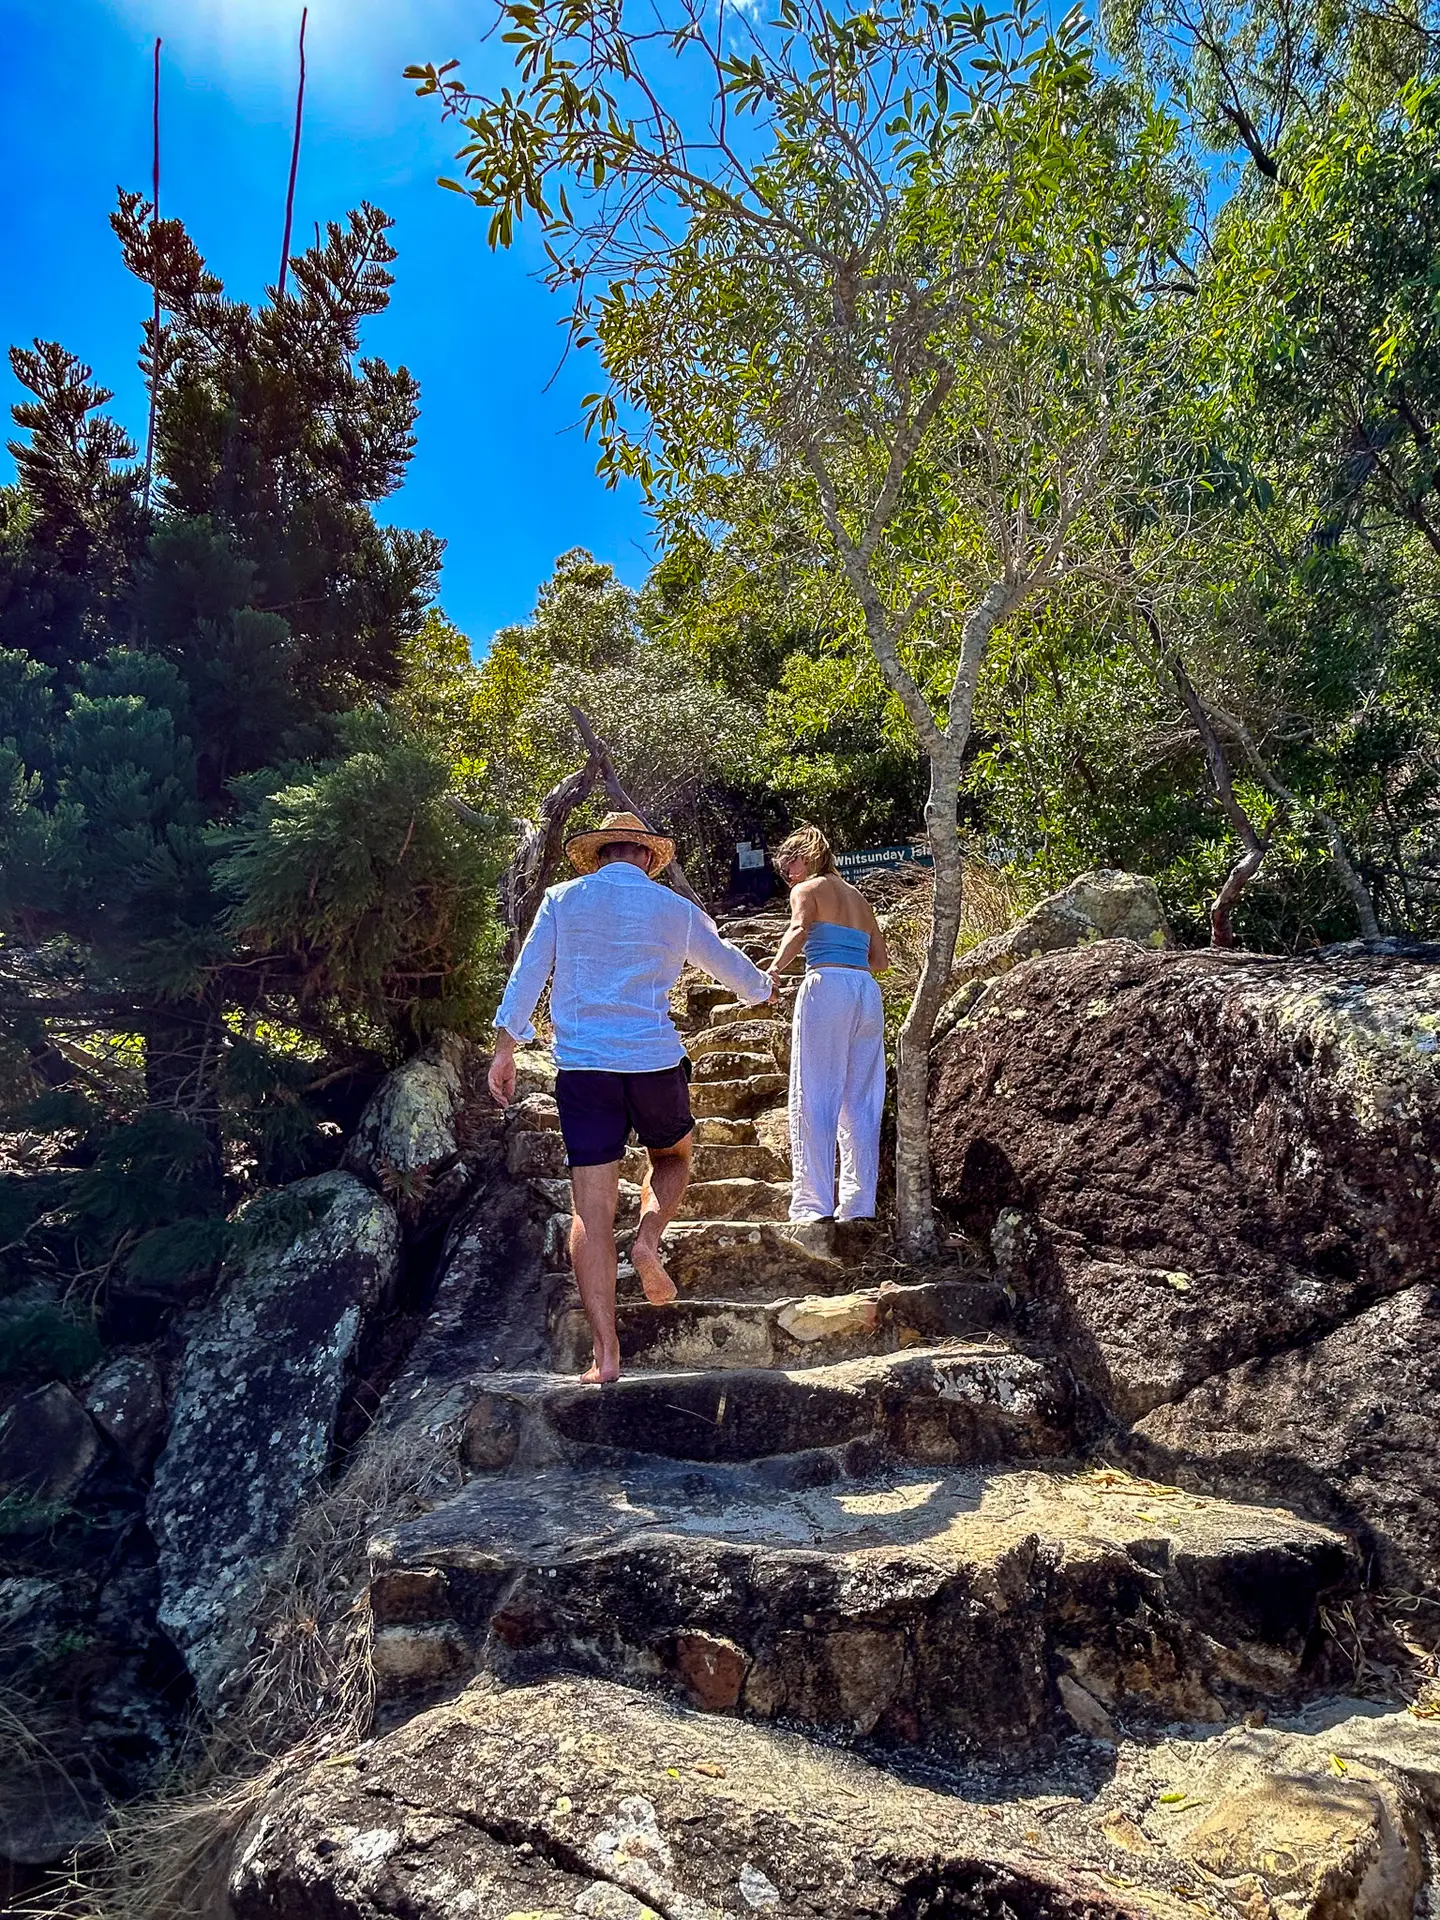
{"x": 1107, "y": 904}
{"x": 1194, "y": 1161}
{"x": 263, "y": 1379}
{"x": 407, "y": 1140}
{"x": 579, "y": 1798}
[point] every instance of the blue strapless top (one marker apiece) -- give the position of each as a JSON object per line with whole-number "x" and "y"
{"x": 827, "y": 945}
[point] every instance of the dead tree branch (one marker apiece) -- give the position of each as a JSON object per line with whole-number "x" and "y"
{"x": 621, "y": 801}
{"x": 541, "y": 844}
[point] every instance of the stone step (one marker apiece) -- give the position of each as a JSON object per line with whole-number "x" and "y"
{"x": 729, "y": 1013}
{"x": 580, "y": 1796}
{"x": 738, "y": 1199}
{"x": 541, "y": 1156}
{"x": 759, "y": 1038}
{"x": 716, "y": 1130}
{"x": 742, "y": 1161}
{"x": 737, "y": 1099}
{"x": 956, "y": 1404}
{"x": 808, "y": 1330}
{"x": 733, "y": 1063}
{"x": 769, "y": 925}
{"x": 757, "y": 1259}
{"x": 985, "y": 1609}
{"x": 691, "y": 1003}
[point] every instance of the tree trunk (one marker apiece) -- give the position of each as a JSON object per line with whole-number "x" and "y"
{"x": 1255, "y": 844}
{"x": 528, "y": 874}
{"x": 1345, "y": 870}
{"x": 1222, "y": 907}
{"x": 1349, "y": 877}
{"x": 914, "y": 1193}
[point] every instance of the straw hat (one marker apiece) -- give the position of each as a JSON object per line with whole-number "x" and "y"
{"x": 584, "y": 848}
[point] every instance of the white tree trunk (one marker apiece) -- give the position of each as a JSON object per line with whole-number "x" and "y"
{"x": 914, "y": 1194}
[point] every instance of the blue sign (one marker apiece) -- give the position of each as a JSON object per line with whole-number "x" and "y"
{"x": 872, "y": 857}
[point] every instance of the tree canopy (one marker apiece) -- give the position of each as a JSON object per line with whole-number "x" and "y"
{"x": 231, "y": 875}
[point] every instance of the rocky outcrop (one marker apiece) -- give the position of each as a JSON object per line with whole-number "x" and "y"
{"x": 1193, "y": 1163}
{"x": 408, "y": 1142}
{"x": 126, "y": 1400}
{"x": 264, "y": 1375}
{"x": 1346, "y": 1426}
{"x": 1107, "y": 904}
{"x": 575, "y": 1797}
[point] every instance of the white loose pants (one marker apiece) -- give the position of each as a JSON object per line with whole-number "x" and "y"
{"x": 837, "y": 1090}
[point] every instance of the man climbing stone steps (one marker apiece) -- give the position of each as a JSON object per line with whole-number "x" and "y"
{"x": 826, "y": 1608}
{"x": 825, "y": 1488}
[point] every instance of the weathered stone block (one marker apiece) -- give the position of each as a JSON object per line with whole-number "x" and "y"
{"x": 48, "y": 1445}
{"x": 263, "y": 1378}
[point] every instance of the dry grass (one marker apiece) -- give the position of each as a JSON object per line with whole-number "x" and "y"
{"x": 991, "y": 903}
{"x": 307, "y": 1692}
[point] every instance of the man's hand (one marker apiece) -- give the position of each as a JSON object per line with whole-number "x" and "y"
{"x": 501, "y": 1077}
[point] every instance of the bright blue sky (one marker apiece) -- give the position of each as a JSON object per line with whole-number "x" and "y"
{"x": 501, "y": 472}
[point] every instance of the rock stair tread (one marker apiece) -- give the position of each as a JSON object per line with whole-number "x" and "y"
{"x": 955, "y": 1607}
{"x": 958, "y": 1402}
{"x": 728, "y": 1806}
{"x": 965, "y": 1514}
{"x": 793, "y": 1328}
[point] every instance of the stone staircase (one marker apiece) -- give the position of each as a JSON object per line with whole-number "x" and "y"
{"x": 828, "y": 1490}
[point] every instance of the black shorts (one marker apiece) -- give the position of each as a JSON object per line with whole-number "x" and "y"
{"x": 599, "y": 1110}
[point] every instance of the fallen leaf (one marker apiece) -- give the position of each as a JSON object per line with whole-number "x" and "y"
{"x": 712, "y": 1769}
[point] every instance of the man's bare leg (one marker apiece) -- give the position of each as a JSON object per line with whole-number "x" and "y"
{"x": 665, "y": 1186}
{"x": 595, "y": 1192}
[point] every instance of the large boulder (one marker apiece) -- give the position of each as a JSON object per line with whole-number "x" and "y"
{"x": 1346, "y": 1426}
{"x": 407, "y": 1142}
{"x": 578, "y": 1797}
{"x": 1194, "y": 1161}
{"x": 263, "y": 1380}
{"x": 575, "y": 1797}
{"x": 48, "y": 1446}
{"x": 1107, "y": 904}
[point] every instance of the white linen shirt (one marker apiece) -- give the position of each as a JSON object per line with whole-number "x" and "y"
{"x": 615, "y": 941}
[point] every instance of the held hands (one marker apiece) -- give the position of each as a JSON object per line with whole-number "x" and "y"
{"x": 501, "y": 1077}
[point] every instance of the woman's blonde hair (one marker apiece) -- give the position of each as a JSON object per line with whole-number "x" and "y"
{"x": 809, "y": 844}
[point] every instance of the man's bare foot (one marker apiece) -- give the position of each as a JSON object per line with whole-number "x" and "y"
{"x": 601, "y": 1374}
{"x": 659, "y": 1288}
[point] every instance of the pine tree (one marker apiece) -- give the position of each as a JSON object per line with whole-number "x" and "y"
{"x": 228, "y": 869}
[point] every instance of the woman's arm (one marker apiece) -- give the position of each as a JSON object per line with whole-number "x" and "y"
{"x": 879, "y": 952}
{"x": 802, "y": 918}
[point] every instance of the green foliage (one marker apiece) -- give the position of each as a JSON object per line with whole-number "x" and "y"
{"x": 228, "y": 871}
{"x": 369, "y": 886}
{"x": 44, "y": 1341}
{"x": 1256, "y": 415}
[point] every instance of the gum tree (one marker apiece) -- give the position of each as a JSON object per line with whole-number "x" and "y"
{"x": 890, "y": 260}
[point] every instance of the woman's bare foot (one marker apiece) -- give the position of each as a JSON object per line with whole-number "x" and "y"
{"x": 659, "y": 1288}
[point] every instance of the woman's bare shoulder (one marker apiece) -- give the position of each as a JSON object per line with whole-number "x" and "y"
{"x": 859, "y": 905}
